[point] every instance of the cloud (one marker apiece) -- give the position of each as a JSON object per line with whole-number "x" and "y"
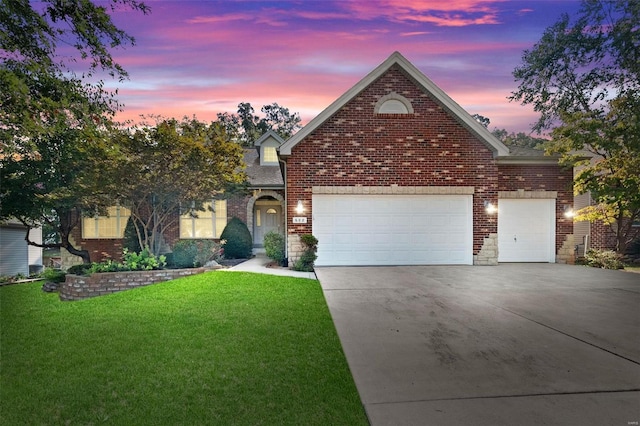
{"x": 215, "y": 19}
{"x": 415, "y": 33}
{"x": 454, "y": 13}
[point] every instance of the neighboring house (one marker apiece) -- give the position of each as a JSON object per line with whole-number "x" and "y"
{"x": 596, "y": 235}
{"x": 395, "y": 172}
{"x": 16, "y": 256}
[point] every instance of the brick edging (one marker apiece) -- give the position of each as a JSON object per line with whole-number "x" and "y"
{"x": 78, "y": 287}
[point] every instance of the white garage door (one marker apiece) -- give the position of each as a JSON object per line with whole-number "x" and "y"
{"x": 526, "y": 230}
{"x": 393, "y": 229}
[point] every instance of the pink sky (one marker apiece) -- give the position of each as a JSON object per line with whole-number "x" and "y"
{"x": 204, "y": 57}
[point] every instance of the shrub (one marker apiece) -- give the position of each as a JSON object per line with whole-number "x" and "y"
{"x": 274, "y": 246}
{"x": 130, "y": 241}
{"x": 143, "y": 261}
{"x": 606, "y": 259}
{"x": 81, "y": 269}
{"x": 238, "y": 241}
{"x": 308, "y": 257}
{"x": 54, "y": 275}
{"x": 190, "y": 253}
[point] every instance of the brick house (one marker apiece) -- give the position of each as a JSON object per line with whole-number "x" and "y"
{"x": 395, "y": 172}
{"x": 262, "y": 211}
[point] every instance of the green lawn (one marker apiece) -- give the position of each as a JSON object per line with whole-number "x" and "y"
{"x": 226, "y": 348}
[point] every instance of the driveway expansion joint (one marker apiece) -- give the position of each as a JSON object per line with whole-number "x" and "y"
{"x": 565, "y": 334}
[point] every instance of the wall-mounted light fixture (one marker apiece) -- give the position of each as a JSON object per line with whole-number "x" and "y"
{"x": 299, "y": 207}
{"x": 489, "y": 207}
{"x": 568, "y": 211}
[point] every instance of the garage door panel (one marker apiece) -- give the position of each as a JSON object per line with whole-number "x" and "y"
{"x": 393, "y": 229}
{"x": 526, "y": 230}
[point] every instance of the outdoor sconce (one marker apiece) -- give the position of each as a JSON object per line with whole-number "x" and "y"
{"x": 489, "y": 207}
{"x": 299, "y": 207}
{"x": 568, "y": 211}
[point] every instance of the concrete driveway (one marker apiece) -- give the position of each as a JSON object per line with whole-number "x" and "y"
{"x": 522, "y": 344}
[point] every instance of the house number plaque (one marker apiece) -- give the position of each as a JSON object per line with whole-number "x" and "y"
{"x": 299, "y": 219}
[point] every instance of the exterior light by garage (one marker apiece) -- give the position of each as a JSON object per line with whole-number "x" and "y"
{"x": 569, "y": 212}
{"x": 489, "y": 207}
{"x": 299, "y": 207}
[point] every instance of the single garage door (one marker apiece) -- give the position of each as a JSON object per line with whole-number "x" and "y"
{"x": 526, "y": 230}
{"x": 393, "y": 229}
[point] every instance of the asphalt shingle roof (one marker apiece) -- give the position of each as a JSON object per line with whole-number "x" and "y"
{"x": 261, "y": 176}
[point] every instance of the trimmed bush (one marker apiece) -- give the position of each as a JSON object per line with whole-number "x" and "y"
{"x": 130, "y": 241}
{"x": 274, "y": 246}
{"x": 606, "y": 259}
{"x": 194, "y": 253}
{"x": 238, "y": 242}
{"x": 308, "y": 257}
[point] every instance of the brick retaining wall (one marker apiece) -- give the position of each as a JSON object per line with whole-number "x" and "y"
{"x": 78, "y": 287}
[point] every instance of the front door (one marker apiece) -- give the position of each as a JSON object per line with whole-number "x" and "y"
{"x": 267, "y": 218}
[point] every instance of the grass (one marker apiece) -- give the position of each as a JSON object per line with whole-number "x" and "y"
{"x": 226, "y": 348}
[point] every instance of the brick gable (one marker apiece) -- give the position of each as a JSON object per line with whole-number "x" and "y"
{"x": 358, "y": 147}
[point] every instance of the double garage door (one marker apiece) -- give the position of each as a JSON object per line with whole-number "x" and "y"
{"x": 393, "y": 229}
{"x": 426, "y": 230}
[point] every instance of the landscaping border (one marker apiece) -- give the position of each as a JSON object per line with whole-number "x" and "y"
{"x": 78, "y": 287}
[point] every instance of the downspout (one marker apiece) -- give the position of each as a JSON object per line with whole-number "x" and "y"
{"x": 286, "y": 212}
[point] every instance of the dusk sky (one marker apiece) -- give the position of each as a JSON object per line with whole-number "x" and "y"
{"x": 204, "y": 57}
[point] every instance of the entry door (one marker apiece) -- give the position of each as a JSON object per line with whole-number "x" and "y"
{"x": 267, "y": 218}
{"x": 526, "y": 230}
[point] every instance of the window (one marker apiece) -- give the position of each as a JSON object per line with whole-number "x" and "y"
{"x": 393, "y": 103}
{"x": 110, "y": 226}
{"x": 270, "y": 155}
{"x": 205, "y": 224}
{"x": 393, "y": 106}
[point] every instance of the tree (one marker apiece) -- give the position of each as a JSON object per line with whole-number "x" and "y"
{"x": 67, "y": 174}
{"x": 38, "y": 83}
{"x": 246, "y": 127}
{"x": 53, "y": 148}
{"x": 613, "y": 176}
{"x": 583, "y": 77}
{"x": 519, "y": 139}
{"x": 172, "y": 168}
{"x": 482, "y": 120}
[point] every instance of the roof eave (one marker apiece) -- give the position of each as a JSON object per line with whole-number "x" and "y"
{"x": 510, "y": 159}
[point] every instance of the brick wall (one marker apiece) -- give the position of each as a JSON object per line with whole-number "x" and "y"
{"x": 547, "y": 178}
{"x": 237, "y": 207}
{"x": 78, "y": 287}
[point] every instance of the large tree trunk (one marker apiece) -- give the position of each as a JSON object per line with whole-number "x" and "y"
{"x": 65, "y": 244}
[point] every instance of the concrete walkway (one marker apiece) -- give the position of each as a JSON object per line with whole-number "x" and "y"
{"x": 259, "y": 263}
{"x": 514, "y": 344}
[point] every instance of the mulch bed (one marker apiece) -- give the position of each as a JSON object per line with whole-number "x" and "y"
{"x": 231, "y": 262}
